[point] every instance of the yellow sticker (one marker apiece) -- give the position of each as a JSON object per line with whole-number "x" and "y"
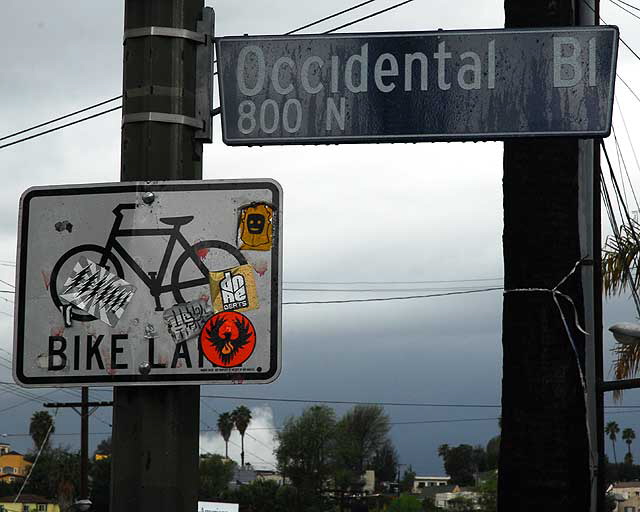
{"x": 233, "y": 289}
{"x": 256, "y": 227}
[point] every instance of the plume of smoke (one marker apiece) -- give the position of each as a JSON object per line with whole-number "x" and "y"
{"x": 259, "y": 440}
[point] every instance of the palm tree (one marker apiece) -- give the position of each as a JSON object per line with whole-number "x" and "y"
{"x": 40, "y": 429}
{"x": 241, "y": 418}
{"x": 628, "y": 435}
{"x": 612, "y": 429}
{"x": 620, "y": 272}
{"x": 225, "y": 426}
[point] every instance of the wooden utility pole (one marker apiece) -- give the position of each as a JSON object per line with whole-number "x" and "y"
{"x": 156, "y": 429}
{"x": 544, "y": 452}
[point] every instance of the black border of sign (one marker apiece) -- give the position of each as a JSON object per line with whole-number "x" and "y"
{"x": 201, "y": 378}
{"x": 377, "y": 139}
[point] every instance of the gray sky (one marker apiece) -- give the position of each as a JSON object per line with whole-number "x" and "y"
{"x": 351, "y": 213}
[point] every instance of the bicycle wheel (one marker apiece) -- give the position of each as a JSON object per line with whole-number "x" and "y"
{"x": 224, "y": 254}
{"x": 69, "y": 259}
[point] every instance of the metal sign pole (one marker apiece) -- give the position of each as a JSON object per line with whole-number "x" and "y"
{"x": 156, "y": 429}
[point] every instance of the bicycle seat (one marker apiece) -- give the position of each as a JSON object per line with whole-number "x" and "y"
{"x": 177, "y": 221}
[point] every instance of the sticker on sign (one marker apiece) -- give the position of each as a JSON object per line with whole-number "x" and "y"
{"x": 148, "y": 283}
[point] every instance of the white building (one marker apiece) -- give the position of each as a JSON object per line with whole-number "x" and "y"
{"x": 443, "y": 499}
{"x": 421, "y": 482}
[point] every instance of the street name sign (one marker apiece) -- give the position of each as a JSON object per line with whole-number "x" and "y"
{"x": 149, "y": 283}
{"x": 409, "y": 87}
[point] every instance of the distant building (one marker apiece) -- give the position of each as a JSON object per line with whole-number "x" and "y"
{"x": 28, "y": 503}
{"x": 627, "y": 496}
{"x": 13, "y": 467}
{"x": 4, "y": 448}
{"x": 447, "y": 500}
{"x": 421, "y": 482}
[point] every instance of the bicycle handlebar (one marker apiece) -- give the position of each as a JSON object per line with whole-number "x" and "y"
{"x": 125, "y": 206}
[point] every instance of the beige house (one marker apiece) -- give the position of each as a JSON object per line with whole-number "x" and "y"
{"x": 28, "y": 503}
{"x": 627, "y": 495}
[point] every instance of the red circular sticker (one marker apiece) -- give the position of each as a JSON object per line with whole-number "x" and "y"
{"x": 228, "y": 339}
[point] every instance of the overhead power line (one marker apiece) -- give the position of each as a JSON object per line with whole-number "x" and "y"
{"x": 350, "y": 402}
{"x": 14, "y": 134}
{"x": 215, "y": 111}
{"x": 629, "y": 5}
{"x": 603, "y": 21}
{"x": 625, "y": 9}
{"x": 377, "y": 13}
{"x": 326, "y": 18}
{"x": 386, "y": 299}
{"x": 396, "y": 282}
{"x": 60, "y": 127}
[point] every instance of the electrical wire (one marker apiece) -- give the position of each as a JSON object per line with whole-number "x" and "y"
{"x": 603, "y": 21}
{"x": 32, "y": 467}
{"x": 377, "y": 13}
{"x": 14, "y": 134}
{"x": 625, "y": 9}
{"x": 630, "y": 5}
{"x": 616, "y": 231}
{"x": 349, "y": 402}
{"x": 216, "y": 111}
{"x": 328, "y": 17}
{"x": 385, "y": 299}
{"x": 628, "y": 87}
{"x": 60, "y": 127}
{"x": 626, "y": 170}
{"x": 395, "y": 282}
{"x": 360, "y": 290}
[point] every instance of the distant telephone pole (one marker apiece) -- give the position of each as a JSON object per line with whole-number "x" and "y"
{"x": 156, "y": 429}
{"x": 545, "y": 453}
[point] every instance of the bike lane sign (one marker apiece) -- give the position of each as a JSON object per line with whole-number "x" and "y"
{"x": 149, "y": 283}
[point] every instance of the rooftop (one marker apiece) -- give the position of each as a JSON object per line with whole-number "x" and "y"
{"x": 27, "y": 498}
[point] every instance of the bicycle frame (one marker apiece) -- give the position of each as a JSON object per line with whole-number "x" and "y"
{"x": 152, "y": 279}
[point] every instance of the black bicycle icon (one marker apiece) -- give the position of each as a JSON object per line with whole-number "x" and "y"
{"x": 152, "y": 279}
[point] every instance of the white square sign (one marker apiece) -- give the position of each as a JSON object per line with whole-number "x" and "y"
{"x": 149, "y": 283}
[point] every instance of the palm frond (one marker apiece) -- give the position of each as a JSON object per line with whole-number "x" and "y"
{"x": 620, "y": 260}
{"x": 626, "y": 364}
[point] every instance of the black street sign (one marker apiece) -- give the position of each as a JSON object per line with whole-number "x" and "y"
{"x": 428, "y": 86}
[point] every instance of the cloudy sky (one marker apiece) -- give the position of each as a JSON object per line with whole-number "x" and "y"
{"x": 423, "y": 212}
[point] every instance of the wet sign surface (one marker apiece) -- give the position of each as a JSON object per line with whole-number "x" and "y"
{"x": 446, "y": 85}
{"x": 134, "y": 283}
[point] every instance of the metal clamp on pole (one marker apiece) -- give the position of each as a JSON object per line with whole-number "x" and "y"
{"x": 165, "y": 32}
{"x": 203, "y": 119}
{"x": 204, "y": 76}
{"x": 161, "y": 117}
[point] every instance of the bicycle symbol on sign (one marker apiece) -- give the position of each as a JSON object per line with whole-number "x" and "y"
{"x": 108, "y": 258}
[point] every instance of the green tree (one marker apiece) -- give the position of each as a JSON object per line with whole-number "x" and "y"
{"x": 612, "y": 429}
{"x": 56, "y": 475}
{"x": 216, "y": 472}
{"x": 306, "y": 453}
{"x": 100, "y": 478}
{"x": 241, "y": 418}
{"x": 40, "y": 429}
{"x": 385, "y": 463}
{"x": 409, "y": 476}
{"x": 488, "y": 494}
{"x": 628, "y": 435}
{"x": 104, "y": 447}
{"x": 460, "y": 463}
{"x": 493, "y": 453}
{"x": 461, "y": 504}
{"x": 362, "y": 432}
{"x": 225, "y": 427}
{"x": 405, "y": 504}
